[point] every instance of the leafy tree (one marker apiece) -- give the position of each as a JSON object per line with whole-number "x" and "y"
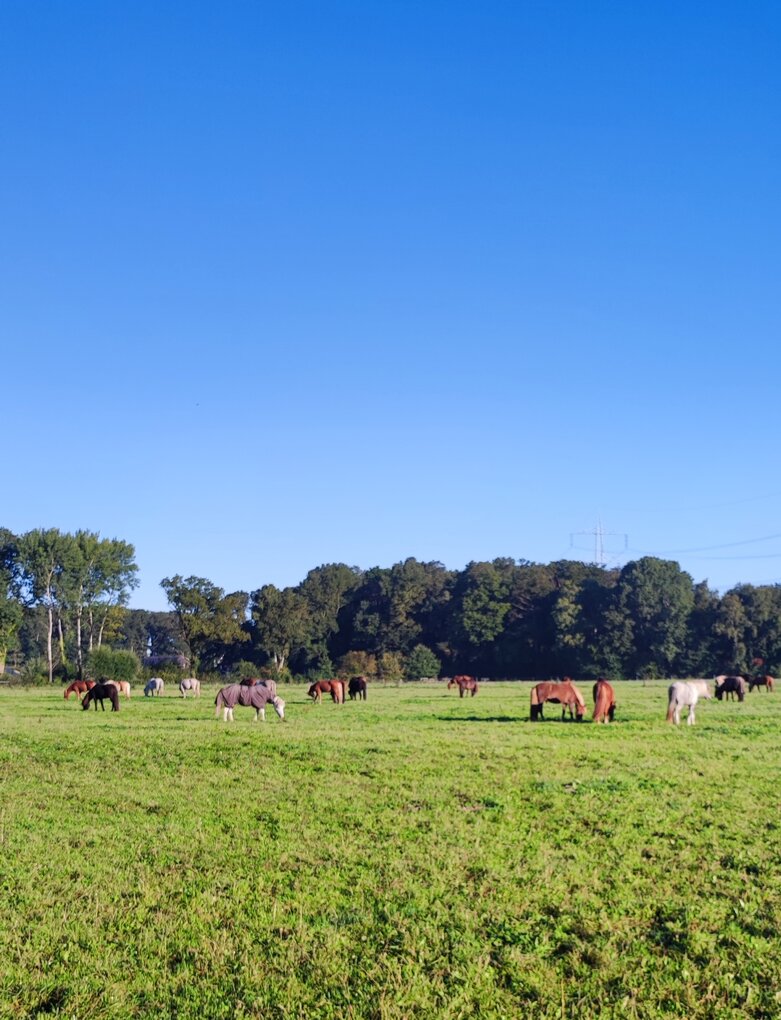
{"x": 10, "y": 609}
{"x": 357, "y": 664}
{"x": 280, "y": 622}
{"x": 421, "y": 662}
{"x": 212, "y": 623}
{"x": 114, "y": 665}
{"x": 41, "y": 556}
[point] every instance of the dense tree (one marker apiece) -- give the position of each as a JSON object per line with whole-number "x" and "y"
{"x": 10, "y": 608}
{"x": 280, "y": 623}
{"x": 212, "y": 623}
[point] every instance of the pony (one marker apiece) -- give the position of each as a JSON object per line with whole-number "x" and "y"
{"x": 250, "y": 697}
{"x": 333, "y": 687}
{"x": 154, "y": 686}
{"x": 190, "y": 684}
{"x": 97, "y": 693}
{"x": 685, "y": 693}
{"x": 762, "y": 681}
{"x": 730, "y": 686}
{"x": 122, "y": 686}
{"x": 565, "y": 694}
{"x": 78, "y": 687}
{"x": 604, "y": 701}
{"x": 356, "y": 688}
{"x": 464, "y": 684}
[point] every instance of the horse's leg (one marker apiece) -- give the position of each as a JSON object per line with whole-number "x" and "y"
{"x": 677, "y": 714}
{"x": 690, "y": 716}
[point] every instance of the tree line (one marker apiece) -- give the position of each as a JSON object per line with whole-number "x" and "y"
{"x": 63, "y": 595}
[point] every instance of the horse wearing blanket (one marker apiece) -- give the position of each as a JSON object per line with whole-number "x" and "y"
{"x": 256, "y": 697}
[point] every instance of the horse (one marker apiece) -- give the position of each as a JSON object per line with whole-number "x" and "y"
{"x": 565, "y": 694}
{"x": 154, "y": 686}
{"x": 250, "y": 697}
{"x": 730, "y": 685}
{"x": 604, "y": 701}
{"x": 464, "y": 684}
{"x": 122, "y": 686}
{"x": 98, "y": 692}
{"x": 77, "y": 687}
{"x": 333, "y": 687}
{"x": 190, "y": 684}
{"x": 356, "y": 688}
{"x": 685, "y": 693}
{"x": 255, "y": 681}
{"x": 762, "y": 681}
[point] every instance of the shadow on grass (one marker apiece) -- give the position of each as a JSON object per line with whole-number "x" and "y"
{"x": 479, "y": 718}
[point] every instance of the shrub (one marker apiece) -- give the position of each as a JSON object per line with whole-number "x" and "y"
{"x": 116, "y": 665}
{"x": 421, "y": 662}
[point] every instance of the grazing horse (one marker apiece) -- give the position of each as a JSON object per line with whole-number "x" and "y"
{"x": 333, "y": 687}
{"x": 356, "y": 688}
{"x": 191, "y": 685}
{"x": 730, "y": 686}
{"x": 464, "y": 684}
{"x": 762, "y": 681}
{"x": 604, "y": 702}
{"x": 78, "y": 687}
{"x": 565, "y": 694}
{"x": 98, "y": 692}
{"x": 154, "y": 686}
{"x": 685, "y": 693}
{"x": 249, "y": 697}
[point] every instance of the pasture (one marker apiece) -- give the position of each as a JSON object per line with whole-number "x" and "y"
{"x": 414, "y": 856}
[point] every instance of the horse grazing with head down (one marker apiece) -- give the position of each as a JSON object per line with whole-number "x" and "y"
{"x": 98, "y": 693}
{"x": 356, "y": 688}
{"x": 604, "y": 701}
{"x": 565, "y": 694}
{"x": 464, "y": 684}
{"x": 333, "y": 687}
{"x": 154, "y": 686}
{"x": 77, "y": 687}
{"x": 729, "y": 686}
{"x": 190, "y": 685}
{"x": 256, "y": 697}
{"x": 685, "y": 694}
{"x": 762, "y": 681}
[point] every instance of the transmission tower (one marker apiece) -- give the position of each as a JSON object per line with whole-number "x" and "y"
{"x": 599, "y": 534}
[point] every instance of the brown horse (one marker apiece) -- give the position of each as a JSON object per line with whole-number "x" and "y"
{"x": 97, "y": 693}
{"x": 78, "y": 687}
{"x": 604, "y": 701}
{"x": 464, "y": 684}
{"x": 356, "y": 688}
{"x": 762, "y": 681}
{"x": 333, "y": 687}
{"x": 565, "y": 694}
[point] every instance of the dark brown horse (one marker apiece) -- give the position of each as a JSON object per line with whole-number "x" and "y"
{"x": 762, "y": 681}
{"x": 78, "y": 687}
{"x": 333, "y": 687}
{"x": 565, "y": 694}
{"x": 730, "y": 686}
{"x": 464, "y": 684}
{"x": 356, "y": 688}
{"x": 97, "y": 693}
{"x": 604, "y": 701}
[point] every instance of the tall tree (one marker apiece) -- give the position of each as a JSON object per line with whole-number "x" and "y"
{"x": 211, "y": 622}
{"x": 41, "y": 556}
{"x": 10, "y": 609}
{"x": 280, "y": 623}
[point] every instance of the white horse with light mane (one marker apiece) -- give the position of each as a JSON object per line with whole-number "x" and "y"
{"x": 685, "y": 693}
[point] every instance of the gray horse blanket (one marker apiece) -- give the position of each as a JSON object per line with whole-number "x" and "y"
{"x": 249, "y": 697}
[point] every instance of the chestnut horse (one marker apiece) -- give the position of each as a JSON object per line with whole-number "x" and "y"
{"x": 78, "y": 687}
{"x": 98, "y": 692}
{"x": 357, "y": 688}
{"x": 464, "y": 684}
{"x": 333, "y": 687}
{"x": 604, "y": 701}
{"x": 762, "y": 681}
{"x": 565, "y": 694}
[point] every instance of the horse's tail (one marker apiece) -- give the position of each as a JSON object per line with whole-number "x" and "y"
{"x": 671, "y": 705}
{"x": 219, "y": 701}
{"x": 534, "y": 697}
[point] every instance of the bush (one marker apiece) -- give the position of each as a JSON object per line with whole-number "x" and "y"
{"x": 421, "y": 662}
{"x": 115, "y": 665}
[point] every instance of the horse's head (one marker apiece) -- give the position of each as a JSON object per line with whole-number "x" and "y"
{"x": 279, "y": 707}
{"x": 86, "y": 700}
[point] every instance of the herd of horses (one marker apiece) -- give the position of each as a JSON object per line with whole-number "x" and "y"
{"x": 256, "y": 693}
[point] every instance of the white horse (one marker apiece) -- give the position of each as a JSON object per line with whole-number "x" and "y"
{"x": 155, "y": 685}
{"x": 191, "y": 685}
{"x": 685, "y": 693}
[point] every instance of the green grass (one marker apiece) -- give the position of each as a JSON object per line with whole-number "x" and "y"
{"x": 414, "y": 856}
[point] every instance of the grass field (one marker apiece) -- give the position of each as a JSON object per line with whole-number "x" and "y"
{"x": 414, "y": 856}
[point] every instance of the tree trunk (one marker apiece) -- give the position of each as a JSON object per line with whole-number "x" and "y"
{"x": 49, "y": 634}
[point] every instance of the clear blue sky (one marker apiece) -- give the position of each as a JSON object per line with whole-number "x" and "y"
{"x": 289, "y": 284}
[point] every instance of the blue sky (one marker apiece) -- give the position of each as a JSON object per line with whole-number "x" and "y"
{"x": 283, "y": 285}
